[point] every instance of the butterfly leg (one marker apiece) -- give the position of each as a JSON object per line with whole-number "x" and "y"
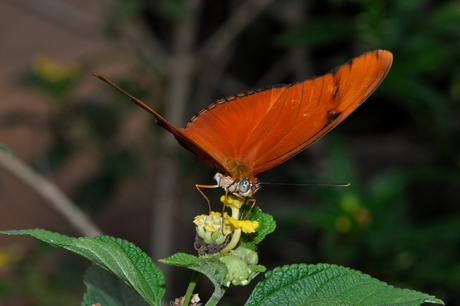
{"x": 198, "y": 187}
{"x": 250, "y": 209}
{"x": 223, "y": 206}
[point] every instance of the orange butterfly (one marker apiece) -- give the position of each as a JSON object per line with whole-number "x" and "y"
{"x": 246, "y": 134}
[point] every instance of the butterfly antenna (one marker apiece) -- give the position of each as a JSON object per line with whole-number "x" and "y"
{"x": 160, "y": 120}
{"x": 131, "y": 97}
{"x": 312, "y": 184}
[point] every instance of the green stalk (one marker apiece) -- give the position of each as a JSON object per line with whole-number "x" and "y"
{"x": 188, "y": 294}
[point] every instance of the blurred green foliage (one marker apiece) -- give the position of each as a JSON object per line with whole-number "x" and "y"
{"x": 399, "y": 220}
{"x": 43, "y": 276}
{"x": 369, "y": 226}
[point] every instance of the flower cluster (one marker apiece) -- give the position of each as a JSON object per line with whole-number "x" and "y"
{"x": 219, "y": 236}
{"x": 215, "y": 229}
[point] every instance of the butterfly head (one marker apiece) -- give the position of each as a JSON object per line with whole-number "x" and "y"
{"x": 243, "y": 187}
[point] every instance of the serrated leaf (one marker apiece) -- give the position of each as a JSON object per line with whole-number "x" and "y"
{"x": 118, "y": 256}
{"x": 325, "y": 284}
{"x": 213, "y": 268}
{"x": 106, "y": 289}
{"x": 266, "y": 226}
{"x": 180, "y": 260}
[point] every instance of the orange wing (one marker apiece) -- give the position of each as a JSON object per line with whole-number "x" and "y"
{"x": 181, "y": 138}
{"x": 250, "y": 133}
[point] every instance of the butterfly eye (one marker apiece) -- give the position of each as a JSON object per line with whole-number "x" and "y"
{"x": 244, "y": 186}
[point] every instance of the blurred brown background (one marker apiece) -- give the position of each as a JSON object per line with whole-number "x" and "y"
{"x": 31, "y": 29}
{"x": 399, "y": 221}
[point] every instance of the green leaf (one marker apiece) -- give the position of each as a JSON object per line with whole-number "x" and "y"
{"x": 325, "y": 284}
{"x": 266, "y": 226}
{"x": 180, "y": 260}
{"x": 108, "y": 290}
{"x": 118, "y": 256}
{"x": 213, "y": 268}
{"x": 7, "y": 150}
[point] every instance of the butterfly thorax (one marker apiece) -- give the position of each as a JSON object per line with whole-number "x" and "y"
{"x": 241, "y": 187}
{"x": 240, "y": 181}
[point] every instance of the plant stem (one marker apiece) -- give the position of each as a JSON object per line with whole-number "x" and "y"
{"x": 195, "y": 277}
{"x": 50, "y": 192}
{"x": 236, "y": 234}
{"x": 216, "y": 296}
{"x": 235, "y": 239}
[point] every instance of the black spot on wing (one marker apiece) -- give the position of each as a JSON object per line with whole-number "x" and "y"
{"x": 332, "y": 116}
{"x": 335, "y": 90}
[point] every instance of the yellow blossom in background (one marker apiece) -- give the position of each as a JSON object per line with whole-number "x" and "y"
{"x": 362, "y": 215}
{"x": 353, "y": 211}
{"x": 4, "y": 258}
{"x": 343, "y": 224}
{"x": 10, "y": 257}
{"x": 350, "y": 202}
{"x": 53, "y": 71}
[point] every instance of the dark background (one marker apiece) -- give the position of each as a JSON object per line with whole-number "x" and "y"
{"x": 399, "y": 221}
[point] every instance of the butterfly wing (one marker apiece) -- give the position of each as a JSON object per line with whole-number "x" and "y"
{"x": 253, "y": 132}
{"x": 198, "y": 149}
{"x": 181, "y": 138}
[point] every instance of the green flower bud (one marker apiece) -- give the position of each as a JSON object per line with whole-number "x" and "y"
{"x": 241, "y": 265}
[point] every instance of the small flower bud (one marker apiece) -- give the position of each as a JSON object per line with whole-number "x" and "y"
{"x": 241, "y": 265}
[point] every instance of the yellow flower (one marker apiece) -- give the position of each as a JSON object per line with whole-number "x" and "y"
{"x": 247, "y": 226}
{"x": 212, "y": 228}
{"x": 232, "y": 201}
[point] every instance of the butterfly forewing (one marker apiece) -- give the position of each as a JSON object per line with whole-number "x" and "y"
{"x": 321, "y": 103}
{"x": 263, "y": 128}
